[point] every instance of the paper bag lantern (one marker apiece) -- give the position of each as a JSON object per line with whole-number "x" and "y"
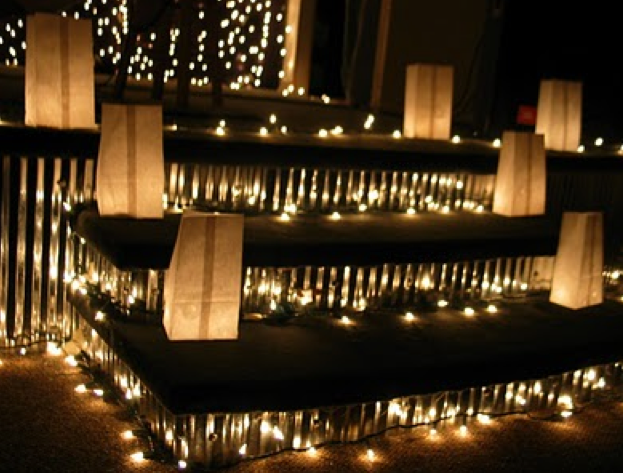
{"x": 130, "y": 165}
{"x": 59, "y": 77}
{"x": 203, "y": 283}
{"x": 577, "y": 280}
{"x": 428, "y": 102}
{"x": 520, "y": 182}
{"x": 559, "y": 114}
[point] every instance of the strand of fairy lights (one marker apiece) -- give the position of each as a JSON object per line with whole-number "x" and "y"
{"x": 251, "y": 30}
{"x": 565, "y": 407}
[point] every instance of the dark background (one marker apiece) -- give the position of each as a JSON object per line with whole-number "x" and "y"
{"x": 537, "y": 40}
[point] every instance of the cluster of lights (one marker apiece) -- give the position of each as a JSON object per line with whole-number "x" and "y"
{"x": 250, "y": 41}
{"x": 263, "y": 284}
{"x": 564, "y": 409}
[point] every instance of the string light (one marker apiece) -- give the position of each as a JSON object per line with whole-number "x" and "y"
{"x": 256, "y": 33}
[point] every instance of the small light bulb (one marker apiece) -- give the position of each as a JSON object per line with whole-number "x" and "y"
{"x": 492, "y": 309}
{"x": 484, "y": 419}
{"x": 599, "y": 141}
{"x": 138, "y": 456}
{"x": 456, "y": 139}
{"x": 263, "y": 131}
{"x": 409, "y": 316}
{"x": 396, "y": 134}
{"x": 370, "y": 454}
{"x": 322, "y": 133}
{"x": 335, "y": 216}
{"x": 581, "y": 149}
{"x": 273, "y": 118}
{"x": 277, "y": 433}
{"x": 442, "y": 303}
{"x": 81, "y": 388}
{"x": 497, "y": 143}
{"x": 411, "y": 211}
{"x": 128, "y": 434}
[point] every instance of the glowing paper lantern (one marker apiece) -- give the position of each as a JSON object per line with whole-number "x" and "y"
{"x": 202, "y": 285}
{"x": 130, "y": 166}
{"x": 520, "y": 182}
{"x": 428, "y": 101}
{"x": 559, "y": 114}
{"x": 59, "y": 77}
{"x": 578, "y": 268}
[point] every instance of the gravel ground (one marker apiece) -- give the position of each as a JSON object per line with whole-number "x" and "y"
{"x": 45, "y": 426}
